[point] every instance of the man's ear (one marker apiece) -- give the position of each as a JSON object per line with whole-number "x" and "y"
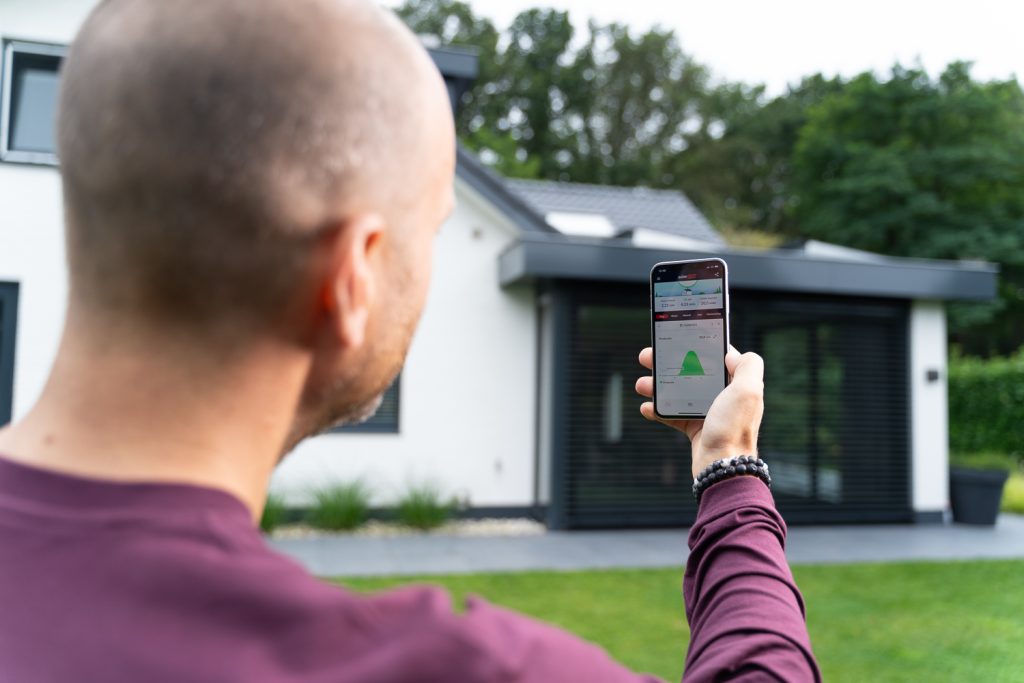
{"x": 351, "y": 285}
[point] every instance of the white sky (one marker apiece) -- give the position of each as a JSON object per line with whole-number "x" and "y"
{"x": 777, "y": 41}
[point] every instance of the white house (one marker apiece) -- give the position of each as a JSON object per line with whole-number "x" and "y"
{"x": 517, "y": 393}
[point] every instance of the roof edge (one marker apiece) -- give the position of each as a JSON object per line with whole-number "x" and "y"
{"x": 618, "y": 261}
{"x": 456, "y": 62}
{"x": 598, "y": 187}
{"x": 492, "y": 187}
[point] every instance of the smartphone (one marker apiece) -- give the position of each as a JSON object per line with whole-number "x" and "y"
{"x": 689, "y": 335}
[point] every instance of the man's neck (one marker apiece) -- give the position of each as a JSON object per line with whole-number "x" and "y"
{"x": 145, "y": 411}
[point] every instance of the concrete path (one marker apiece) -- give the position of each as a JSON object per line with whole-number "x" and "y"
{"x": 438, "y": 554}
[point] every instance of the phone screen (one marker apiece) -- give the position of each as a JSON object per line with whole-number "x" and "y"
{"x": 690, "y": 330}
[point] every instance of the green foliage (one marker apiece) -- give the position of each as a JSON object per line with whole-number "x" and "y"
{"x": 741, "y": 179}
{"x": 424, "y": 506}
{"x": 609, "y": 106}
{"x": 929, "y": 621}
{"x": 916, "y": 166}
{"x": 274, "y": 513}
{"x": 983, "y": 461}
{"x": 1013, "y": 493}
{"x": 340, "y": 506}
{"x": 986, "y": 404}
{"x": 750, "y": 239}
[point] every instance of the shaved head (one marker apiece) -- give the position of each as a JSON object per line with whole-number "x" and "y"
{"x": 206, "y": 145}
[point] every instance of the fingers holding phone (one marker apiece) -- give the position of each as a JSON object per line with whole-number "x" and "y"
{"x": 699, "y": 383}
{"x": 734, "y": 419}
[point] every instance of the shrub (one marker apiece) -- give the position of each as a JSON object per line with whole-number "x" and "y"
{"x": 986, "y": 404}
{"x": 983, "y": 461}
{"x": 1013, "y": 494}
{"x": 424, "y": 506}
{"x": 340, "y": 506}
{"x": 274, "y": 513}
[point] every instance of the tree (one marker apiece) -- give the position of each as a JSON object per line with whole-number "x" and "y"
{"x": 616, "y": 109}
{"x": 741, "y": 178}
{"x": 639, "y": 104}
{"x": 915, "y": 166}
{"x": 452, "y": 22}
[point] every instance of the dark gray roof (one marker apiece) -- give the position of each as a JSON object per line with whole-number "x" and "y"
{"x": 618, "y": 260}
{"x": 667, "y": 211}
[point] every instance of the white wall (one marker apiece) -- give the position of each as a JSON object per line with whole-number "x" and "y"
{"x": 49, "y": 21}
{"x": 31, "y": 237}
{"x": 32, "y": 254}
{"x": 929, "y": 432}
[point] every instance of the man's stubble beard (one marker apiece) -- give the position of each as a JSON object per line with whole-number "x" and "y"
{"x": 331, "y": 411}
{"x": 330, "y": 415}
{"x": 350, "y": 415}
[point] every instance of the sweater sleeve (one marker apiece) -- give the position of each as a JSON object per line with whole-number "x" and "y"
{"x": 746, "y": 614}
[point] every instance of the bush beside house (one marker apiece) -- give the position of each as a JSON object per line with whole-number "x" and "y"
{"x": 986, "y": 419}
{"x": 986, "y": 405}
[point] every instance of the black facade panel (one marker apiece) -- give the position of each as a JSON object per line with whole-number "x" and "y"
{"x": 8, "y": 326}
{"x": 835, "y": 431}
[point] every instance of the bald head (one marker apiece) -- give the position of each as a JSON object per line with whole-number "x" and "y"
{"x": 206, "y": 144}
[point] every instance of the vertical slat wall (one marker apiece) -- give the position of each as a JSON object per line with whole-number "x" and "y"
{"x": 835, "y": 427}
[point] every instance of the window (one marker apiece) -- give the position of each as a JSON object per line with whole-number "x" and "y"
{"x": 28, "y": 108}
{"x": 385, "y": 420}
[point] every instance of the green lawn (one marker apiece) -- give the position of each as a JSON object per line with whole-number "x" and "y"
{"x": 957, "y": 621}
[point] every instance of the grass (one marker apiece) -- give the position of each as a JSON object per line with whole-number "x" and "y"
{"x": 424, "y": 506}
{"x": 340, "y": 506}
{"x": 935, "y": 622}
{"x": 274, "y": 513}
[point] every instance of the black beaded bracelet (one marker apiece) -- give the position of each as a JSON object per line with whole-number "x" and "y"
{"x": 720, "y": 470}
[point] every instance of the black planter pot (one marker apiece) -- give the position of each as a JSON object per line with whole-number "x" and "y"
{"x": 975, "y": 495}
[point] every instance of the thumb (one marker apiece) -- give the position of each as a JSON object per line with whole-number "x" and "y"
{"x": 747, "y": 371}
{"x": 732, "y": 360}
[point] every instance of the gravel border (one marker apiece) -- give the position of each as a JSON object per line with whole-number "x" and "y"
{"x": 516, "y": 526}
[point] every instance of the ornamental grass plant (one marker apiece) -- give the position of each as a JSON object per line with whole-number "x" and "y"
{"x": 424, "y": 506}
{"x": 340, "y": 506}
{"x": 274, "y": 513}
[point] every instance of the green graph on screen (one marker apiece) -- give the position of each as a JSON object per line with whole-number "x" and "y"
{"x": 691, "y": 365}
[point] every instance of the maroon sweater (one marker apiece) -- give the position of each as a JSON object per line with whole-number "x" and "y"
{"x": 746, "y": 614}
{"x": 104, "y": 581}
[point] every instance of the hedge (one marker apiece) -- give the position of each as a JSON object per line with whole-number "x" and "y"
{"x": 986, "y": 404}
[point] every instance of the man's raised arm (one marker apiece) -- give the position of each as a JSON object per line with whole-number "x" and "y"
{"x": 746, "y": 614}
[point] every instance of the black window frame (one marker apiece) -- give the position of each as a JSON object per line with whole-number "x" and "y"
{"x": 12, "y": 48}
{"x": 8, "y": 335}
{"x": 378, "y": 424}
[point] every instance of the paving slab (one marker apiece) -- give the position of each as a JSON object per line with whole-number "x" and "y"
{"x": 578, "y": 550}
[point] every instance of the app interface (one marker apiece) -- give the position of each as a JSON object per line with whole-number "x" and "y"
{"x": 689, "y": 342}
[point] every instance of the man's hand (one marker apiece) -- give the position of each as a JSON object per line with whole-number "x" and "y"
{"x": 730, "y": 429}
